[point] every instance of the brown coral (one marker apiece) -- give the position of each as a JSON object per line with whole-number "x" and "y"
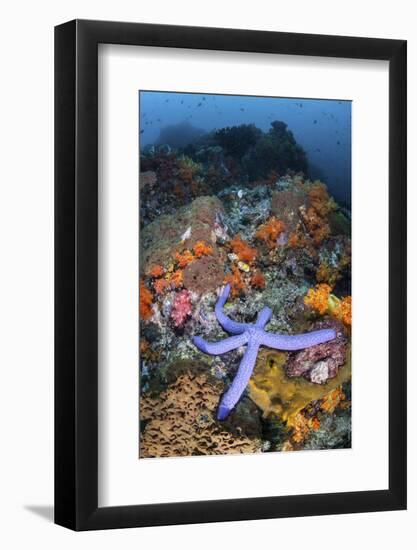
{"x": 204, "y": 275}
{"x": 181, "y": 421}
{"x": 316, "y": 225}
{"x": 258, "y": 280}
{"x": 327, "y": 274}
{"x": 145, "y": 301}
{"x": 270, "y": 231}
{"x": 320, "y": 199}
{"x": 161, "y": 239}
{"x": 243, "y": 251}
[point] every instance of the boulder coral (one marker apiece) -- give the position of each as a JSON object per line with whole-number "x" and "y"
{"x": 204, "y": 275}
{"x": 162, "y": 239}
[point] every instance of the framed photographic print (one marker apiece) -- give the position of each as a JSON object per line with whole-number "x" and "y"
{"x": 230, "y": 275}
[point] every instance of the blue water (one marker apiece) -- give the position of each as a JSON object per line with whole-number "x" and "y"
{"x": 321, "y": 127}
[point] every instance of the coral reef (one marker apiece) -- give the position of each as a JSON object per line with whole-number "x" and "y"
{"x": 236, "y": 206}
{"x": 254, "y": 335}
{"x": 276, "y": 151}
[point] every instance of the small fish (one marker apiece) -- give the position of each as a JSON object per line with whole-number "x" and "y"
{"x": 338, "y": 142}
{"x": 167, "y": 100}
{"x": 199, "y": 105}
{"x": 315, "y": 122}
{"x": 142, "y": 131}
{"x": 204, "y": 99}
{"x": 182, "y": 101}
{"x": 242, "y": 109}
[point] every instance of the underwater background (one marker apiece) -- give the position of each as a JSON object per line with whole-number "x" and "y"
{"x": 321, "y": 127}
{"x": 245, "y": 274}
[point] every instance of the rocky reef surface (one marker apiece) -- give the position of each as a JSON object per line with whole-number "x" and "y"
{"x": 224, "y": 213}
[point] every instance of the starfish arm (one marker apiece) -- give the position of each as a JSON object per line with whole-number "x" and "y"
{"x": 240, "y": 381}
{"x": 230, "y": 326}
{"x": 297, "y": 341}
{"x": 223, "y": 346}
{"x": 263, "y": 317}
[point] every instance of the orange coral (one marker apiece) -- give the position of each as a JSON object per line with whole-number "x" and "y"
{"x": 270, "y": 231}
{"x": 322, "y": 301}
{"x": 160, "y": 285}
{"x": 156, "y": 271}
{"x": 318, "y": 298}
{"x": 332, "y": 400}
{"x": 301, "y": 427}
{"x": 258, "y": 280}
{"x": 177, "y": 279}
{"x": 243, "y": 251}
{"x": 316, "y": 225}
{"x": 145, "y": 301}
{"x": 236, "y": 281}
{"x": 201, "y": 249}
{"x": 144, "y": 345}
{"x": 297, "y": 239}
{"x": 314, "y": 423}
{"x": 320, "y": 199}
{"x": 184, "y": 258}
{"x": 343, "y": 310}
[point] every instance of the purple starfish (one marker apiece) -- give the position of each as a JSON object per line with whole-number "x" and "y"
{"x": 254, "y": 335}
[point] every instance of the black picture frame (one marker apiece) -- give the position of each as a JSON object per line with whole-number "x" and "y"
{"x": 76, "y": 272}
